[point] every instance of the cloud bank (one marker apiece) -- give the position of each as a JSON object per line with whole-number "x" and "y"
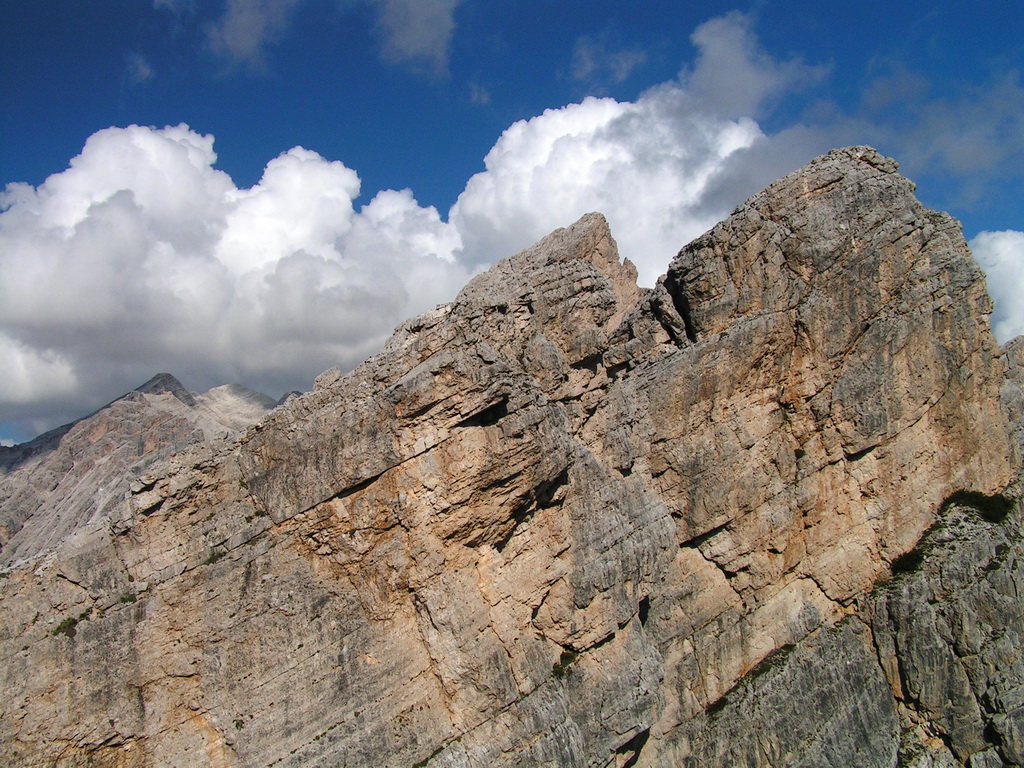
{"x": 143, "y": 257}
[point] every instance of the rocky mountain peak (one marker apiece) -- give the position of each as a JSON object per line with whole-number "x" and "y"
{"x": 165, "y": 383}
{"x": 71, "y": 478}
{"x": 567, "y": 521}
{"x": 776, "y": 249}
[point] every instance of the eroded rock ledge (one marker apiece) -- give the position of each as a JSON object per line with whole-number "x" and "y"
{"x": 566, "y": 521}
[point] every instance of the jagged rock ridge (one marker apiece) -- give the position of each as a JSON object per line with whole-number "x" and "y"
{"x": 566, "y": 521}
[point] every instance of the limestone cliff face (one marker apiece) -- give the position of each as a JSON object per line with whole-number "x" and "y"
{"x": 565, "y": 521}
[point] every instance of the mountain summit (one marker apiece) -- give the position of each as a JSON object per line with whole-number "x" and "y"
{"x": 760, "y": 515}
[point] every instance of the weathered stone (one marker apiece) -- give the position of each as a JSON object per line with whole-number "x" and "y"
{"x": 951, "y": 624}
{"x": 78, "y": 475}
{"x": 1013, "y": 391}
{"x": 821, "y": 702}
{"x": 566, "y": 521}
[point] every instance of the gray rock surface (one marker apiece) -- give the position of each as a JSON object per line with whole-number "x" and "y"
{"x": 1013, "y": 390}
{"x": 75, "y": 475}
{"x": 824, "y": 701}
{"x": 926, "y": 673}
{"x": 565, "y": 521}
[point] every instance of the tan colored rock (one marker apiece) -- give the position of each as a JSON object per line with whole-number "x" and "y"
{"x": 550, "y": 523}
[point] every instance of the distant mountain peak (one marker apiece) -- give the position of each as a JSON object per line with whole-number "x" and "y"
{"x": 165, "y": 383}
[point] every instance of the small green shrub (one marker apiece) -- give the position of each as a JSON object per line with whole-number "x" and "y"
{"x": 66, "y": 627}
{"x": 214, "y": 557}
{"x": 562, "y": 667}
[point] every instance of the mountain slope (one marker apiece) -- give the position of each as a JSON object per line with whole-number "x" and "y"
{"x": 566, "y": 521}
{"x": 77, "y": 473}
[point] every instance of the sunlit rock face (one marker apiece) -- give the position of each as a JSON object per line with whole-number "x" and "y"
{"x": 567, "y": 521}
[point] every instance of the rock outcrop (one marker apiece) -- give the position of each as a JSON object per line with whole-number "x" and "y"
{"x": 759, "y": 515}
{"x": 77, "y": 474}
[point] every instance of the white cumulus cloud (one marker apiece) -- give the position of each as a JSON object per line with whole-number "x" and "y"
{"x": 646, "y": 165}
{"x": 141, "y": 257}
{"x": 1001, "y": 255}
{"x": 663, "y": 169}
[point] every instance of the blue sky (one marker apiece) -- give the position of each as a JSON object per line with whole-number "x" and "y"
{"x": 255, "y": 190}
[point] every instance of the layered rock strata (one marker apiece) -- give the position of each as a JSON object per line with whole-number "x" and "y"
{"x": 566, "y": 521}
